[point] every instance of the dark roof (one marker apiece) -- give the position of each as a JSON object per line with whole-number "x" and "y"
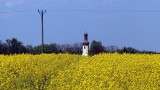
{"x": 85, "y": 41}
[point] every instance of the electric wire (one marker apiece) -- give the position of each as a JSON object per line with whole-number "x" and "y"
{"x": 108, "y": 11}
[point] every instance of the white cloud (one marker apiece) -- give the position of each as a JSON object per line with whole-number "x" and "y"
{"x": 11, "y": 3}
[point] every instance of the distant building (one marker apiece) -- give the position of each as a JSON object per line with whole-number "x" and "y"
{"x": 85, "y": 45}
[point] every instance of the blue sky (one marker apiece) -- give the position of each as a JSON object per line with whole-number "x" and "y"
{"x": 134, "y": 23}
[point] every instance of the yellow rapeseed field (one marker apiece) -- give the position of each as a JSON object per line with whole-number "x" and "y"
{"x": 76, "y": 72}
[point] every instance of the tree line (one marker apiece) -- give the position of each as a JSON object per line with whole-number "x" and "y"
{"x": 14, "y": 46}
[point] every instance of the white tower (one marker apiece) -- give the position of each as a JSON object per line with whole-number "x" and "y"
{"x": 85, "y": 45}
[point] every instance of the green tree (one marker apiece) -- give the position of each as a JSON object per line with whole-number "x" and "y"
{"x": 37, "y": 49}
{"x": 3, "y": 48}
{"x": 53, "y": 48}
{"x": 15, "y": 46}
{"x": 128, "y": 50}
{"x": 96, "y": 47}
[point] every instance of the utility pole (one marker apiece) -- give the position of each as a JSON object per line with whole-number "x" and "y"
{"x": 41, "y": 12}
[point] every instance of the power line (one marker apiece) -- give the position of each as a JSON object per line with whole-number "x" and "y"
{"x": 81, "y": 10}
{"x": 25, "y": 11}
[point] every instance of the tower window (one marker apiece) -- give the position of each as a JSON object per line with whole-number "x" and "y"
{"x": 84, "y": 47}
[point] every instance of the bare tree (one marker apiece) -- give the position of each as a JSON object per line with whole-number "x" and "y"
{"x": 111, "y": 49}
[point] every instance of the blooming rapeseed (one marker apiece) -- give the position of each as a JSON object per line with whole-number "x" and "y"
{"x": 75, "y": 72}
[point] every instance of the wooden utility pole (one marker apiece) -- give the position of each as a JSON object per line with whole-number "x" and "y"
{"x": 41, "y": 12}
